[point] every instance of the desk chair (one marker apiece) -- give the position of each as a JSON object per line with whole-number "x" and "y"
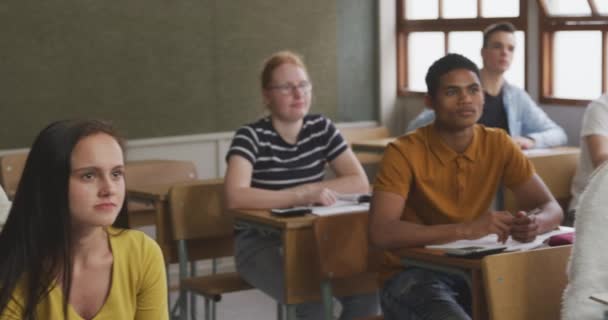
{"x": 199, "y": 222}
{"x": 557, "y": 172}
{"x": 354, "y": 134}
{"x": 342, "y": 243}
{"x": 152, "y": 172}
{"x": 588, "y": 274}
{"x": 12, "y": 167}
{"x": 526, "y": 285}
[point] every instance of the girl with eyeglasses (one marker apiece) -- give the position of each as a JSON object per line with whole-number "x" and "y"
{"x": 278, "y": 162}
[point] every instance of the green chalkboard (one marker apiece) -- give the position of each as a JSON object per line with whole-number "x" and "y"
{"x": 155, "y": 68}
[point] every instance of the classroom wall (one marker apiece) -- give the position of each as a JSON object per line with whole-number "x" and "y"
{"x": 161, "y": 68}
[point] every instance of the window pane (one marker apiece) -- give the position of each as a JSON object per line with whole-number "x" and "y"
{"x": 577, "y": 73}
{"x": 499, "y": 8}
{"x": 467, "y": 43}
{"x": 602, "y": 6}
{"x": 421, "y": 9}
{"x": 568, "y": 7}
{"x": 517, "y": 73}
{"x": 423, "y": 49}
{"x": 459, "y": 8}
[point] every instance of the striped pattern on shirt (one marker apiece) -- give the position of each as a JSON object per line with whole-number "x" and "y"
{"x": 278, "y": 164}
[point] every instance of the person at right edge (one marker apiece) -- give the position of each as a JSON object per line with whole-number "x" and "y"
{"x": 436, "y": 184}
{"x": 506, "y": 106}
{"x": 594, "y": 150}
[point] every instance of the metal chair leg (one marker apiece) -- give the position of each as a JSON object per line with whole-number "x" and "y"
{"x": 213, "y": 310}
{"x": 207, "y": 311}
{"x": 213, "y": 304}
{"x": 279, "y": 311}
{"x": 291, "y": 311}
{"x": 192, "y": 295}
{"x": 327, "y": 298}
{"x": 183, "y": 304}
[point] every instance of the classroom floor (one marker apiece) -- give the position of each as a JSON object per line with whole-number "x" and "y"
{"x": 246, "y": 305}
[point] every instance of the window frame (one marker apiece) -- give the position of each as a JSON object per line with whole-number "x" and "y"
{"x": 446, "y": 25}
{"x": 547, "y": 26}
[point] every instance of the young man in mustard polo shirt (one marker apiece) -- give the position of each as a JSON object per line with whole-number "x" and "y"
{"x": 436, "y": 185}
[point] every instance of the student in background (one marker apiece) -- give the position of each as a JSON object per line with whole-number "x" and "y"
{"x": 506, "y": 106}
{"x": 5, "y": 206}
{"x": 594, "y": 150}
{"x": 60, "y": 257}
{"x": 278, "y": 162}
{"x": 436, "y": 185}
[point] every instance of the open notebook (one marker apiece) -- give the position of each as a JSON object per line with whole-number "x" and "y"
{"x": 491, "y": 241}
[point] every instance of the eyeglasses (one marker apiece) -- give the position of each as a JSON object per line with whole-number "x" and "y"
{"x": 303, "y": 87}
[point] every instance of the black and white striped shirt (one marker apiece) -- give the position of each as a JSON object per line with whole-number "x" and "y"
{"x": 278, "y": 164}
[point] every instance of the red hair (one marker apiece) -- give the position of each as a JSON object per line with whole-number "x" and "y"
{"x": 276, "y": 60}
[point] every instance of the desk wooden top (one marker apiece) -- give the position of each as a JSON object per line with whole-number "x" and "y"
{"x": 374, "y": 145}
{"x": 438, "y": 257}
{"x": 378, "y": 145}
{"x": 157, "y": 192}
{"x": 550, "y": 152}
{"x": 266, "y": 218}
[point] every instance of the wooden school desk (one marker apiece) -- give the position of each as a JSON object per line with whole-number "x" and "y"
{"x": 469, "y": 269}
{"x": 378, "y": 146}
{"x": 498, "y": 288}
{"x": 157, "y": 195}
{"x": 372, "y": 145}
{"x": 300, "y": 257}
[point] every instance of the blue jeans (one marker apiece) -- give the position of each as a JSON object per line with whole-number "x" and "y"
{"x": 259, "y": 260}
{"x": 416, "y": 294}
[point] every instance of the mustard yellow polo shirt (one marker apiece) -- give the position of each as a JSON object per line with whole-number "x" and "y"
{"x": 138, "y": 289}
{"x": 442, "y": 186}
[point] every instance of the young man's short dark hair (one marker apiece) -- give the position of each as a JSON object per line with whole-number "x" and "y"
{"x": 496, "y": 27}
{"x": 449, "y": 62}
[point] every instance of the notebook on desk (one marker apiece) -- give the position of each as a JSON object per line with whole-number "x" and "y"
{"x": 491, "y": 241}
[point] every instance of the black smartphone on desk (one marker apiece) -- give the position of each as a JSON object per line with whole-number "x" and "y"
{"x": 473, "y": 252}
{"x": 291, "y": 212}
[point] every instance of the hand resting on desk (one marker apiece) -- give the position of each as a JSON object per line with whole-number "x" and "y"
{"x": 524, "y": 228}
{"x": 498, "y": 223}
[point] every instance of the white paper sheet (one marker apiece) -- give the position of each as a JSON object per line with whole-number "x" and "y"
{"x": 491, "y": 241}
{"x": 340, "y": 207}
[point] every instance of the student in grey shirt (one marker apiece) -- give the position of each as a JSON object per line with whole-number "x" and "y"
{"x": 506, "y": 106}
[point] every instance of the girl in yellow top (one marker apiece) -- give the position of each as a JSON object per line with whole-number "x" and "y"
{"x": 59, "y": 256}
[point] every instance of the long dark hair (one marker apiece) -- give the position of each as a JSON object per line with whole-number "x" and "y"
{"x": 35, "y": 244}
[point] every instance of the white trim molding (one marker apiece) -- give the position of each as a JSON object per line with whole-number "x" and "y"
{"x": 206, "y": 150}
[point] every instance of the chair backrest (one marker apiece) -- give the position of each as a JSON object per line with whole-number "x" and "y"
{"x": 197, "y": 211}
{"x": 588, "y": 274}
{"x": 151, "y": 172}
{"x": 342, "y": 243}
{"x": 12, "y": 168}
{"x": 557, "y": 171}
{"x": 526, "y": 285}
{"x": 354, "y": 134}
